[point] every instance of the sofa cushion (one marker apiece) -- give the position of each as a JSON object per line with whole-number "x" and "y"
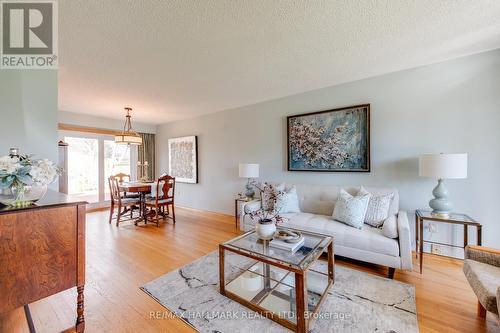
{"x": 351, "y": 209}
{"x": 367, "y": 239}
{"x": 484, "y": 280}
{"x": 317, "y": 199}
{"x": 320, "y": 199}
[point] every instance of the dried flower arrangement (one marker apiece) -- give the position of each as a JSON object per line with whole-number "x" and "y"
{"x": 271, "y": 203}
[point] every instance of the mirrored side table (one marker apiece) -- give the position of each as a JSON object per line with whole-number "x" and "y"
{"x": 239, "y": 203}
{"x": 453, "y": 218}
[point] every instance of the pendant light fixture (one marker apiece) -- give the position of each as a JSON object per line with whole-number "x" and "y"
{"x": 128, "y": 135}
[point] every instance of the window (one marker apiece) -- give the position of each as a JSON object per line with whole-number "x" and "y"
{"x": 92, "y": 158}
{"x": 116, "y": 160}
{"x": 83, "y": 168}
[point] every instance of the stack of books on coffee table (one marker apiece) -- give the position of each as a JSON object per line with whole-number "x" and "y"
{"x": 292, "y": 247}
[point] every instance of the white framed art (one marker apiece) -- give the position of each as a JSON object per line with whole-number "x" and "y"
{"x": 183, "y": 159}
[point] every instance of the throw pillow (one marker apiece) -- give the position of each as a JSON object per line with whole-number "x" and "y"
{"x": 378, "y": 208}
{"x": 288, "y": 201}
{"x": 351, "y": 210}
{"x": 390, "y": 228}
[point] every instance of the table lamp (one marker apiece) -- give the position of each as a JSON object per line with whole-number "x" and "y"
{"x": 440, "y": 167}
{"x": 249, "y": 171}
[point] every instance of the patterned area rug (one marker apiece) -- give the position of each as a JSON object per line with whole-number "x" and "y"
{"x": 357, "y": 302}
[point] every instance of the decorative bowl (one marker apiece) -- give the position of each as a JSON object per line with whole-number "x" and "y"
{"x": 288, "y": 236}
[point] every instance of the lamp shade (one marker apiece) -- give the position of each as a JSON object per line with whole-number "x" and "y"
{"x": 128, "y": 139}
{"x": 128, "y": 136}
{"x": 249, "y": 170}
{"x": 443, "y": 166}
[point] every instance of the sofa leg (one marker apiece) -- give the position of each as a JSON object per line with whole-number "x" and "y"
{"x": 390, "y": 272}
{"x": 481, "y": 311}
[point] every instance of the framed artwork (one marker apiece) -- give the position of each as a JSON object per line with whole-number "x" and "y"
{"x": 183, "y": 159}
{"x": 335, "y": 140}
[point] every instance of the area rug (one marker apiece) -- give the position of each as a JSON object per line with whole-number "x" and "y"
{"x": 357, "y": 302}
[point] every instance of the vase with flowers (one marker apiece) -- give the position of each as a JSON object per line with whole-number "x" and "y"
{"x": 268, "y": 215}
{"x": 24, "y": 180}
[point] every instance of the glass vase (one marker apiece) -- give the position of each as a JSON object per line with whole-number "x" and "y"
{"x": 22, "y": 196}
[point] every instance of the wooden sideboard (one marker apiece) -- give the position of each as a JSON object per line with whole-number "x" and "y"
{"x": 42, "y": 252}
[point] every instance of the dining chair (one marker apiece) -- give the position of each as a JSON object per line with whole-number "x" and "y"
{"x": 123, "y": 177}
{"x": 162, "y": 199}
{"x": 118, "y": 201}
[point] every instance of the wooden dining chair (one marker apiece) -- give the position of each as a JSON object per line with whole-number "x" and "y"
{"x": 163, "y": 200}
{"x": 123, "y": 177}
{"x": 123, "y": 204}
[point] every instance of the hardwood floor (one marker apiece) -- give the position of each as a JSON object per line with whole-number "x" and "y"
{"x": 119, "y": 260}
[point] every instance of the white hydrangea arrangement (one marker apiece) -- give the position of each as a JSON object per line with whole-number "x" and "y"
{"x": 19, "y": 172}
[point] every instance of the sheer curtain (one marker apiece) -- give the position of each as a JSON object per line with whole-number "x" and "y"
{"x": 146, "y": 152}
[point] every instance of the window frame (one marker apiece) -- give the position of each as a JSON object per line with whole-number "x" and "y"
{"x": 100, "y": 148}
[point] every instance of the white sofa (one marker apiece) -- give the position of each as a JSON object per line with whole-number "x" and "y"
{"x": 367, "y": 244}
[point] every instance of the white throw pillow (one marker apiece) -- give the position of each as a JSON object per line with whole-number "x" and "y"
{"x": 378, "y": 207}
{"x": 288, "y": 202}
{"x": 351, "y": 210}
{"x": 390, "y": 228}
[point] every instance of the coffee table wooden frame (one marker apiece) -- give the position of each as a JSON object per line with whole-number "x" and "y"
{"x": 304, "y": 316}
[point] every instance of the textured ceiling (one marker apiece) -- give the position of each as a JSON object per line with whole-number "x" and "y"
{"x": 172, "y": 60}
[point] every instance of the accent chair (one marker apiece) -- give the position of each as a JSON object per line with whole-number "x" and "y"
{"x": 482, "y": 270}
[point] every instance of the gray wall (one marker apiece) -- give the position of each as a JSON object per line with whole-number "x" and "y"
{"x": 85, "y": 120}
{"x": 28, "y": 109}
{"x": 449, "y": 107}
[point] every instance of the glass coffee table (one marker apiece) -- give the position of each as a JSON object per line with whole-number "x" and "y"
{"x": 283, "y": 286}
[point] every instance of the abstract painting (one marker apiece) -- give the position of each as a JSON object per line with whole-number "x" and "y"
{"x": 183, "y": 159}
{"x": 332, "y": 140}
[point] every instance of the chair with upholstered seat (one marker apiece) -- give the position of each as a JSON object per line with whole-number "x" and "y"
{"x": 123, "y": 177}
{"x": 120, "y": 202}
{"x": 162, "y": 199}
{"x": 482, "y": 269}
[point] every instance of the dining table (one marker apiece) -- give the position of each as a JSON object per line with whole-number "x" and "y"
{"x": 141, "y": 188}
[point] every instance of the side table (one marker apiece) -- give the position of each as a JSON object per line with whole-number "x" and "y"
{"x": 453, "y": 218}
{"x": 237, "y": 202}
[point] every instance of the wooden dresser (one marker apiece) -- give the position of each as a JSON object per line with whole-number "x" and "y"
{"x": 42, "y": 252}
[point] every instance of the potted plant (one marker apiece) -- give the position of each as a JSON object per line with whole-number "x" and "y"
{"x": 268, "y": 215}
{"x": 24, "y": 180}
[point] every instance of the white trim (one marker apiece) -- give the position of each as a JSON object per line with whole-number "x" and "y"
{"x": 101, "y": 182}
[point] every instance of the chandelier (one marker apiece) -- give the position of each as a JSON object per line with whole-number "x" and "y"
{"x": 128, "y": 135}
